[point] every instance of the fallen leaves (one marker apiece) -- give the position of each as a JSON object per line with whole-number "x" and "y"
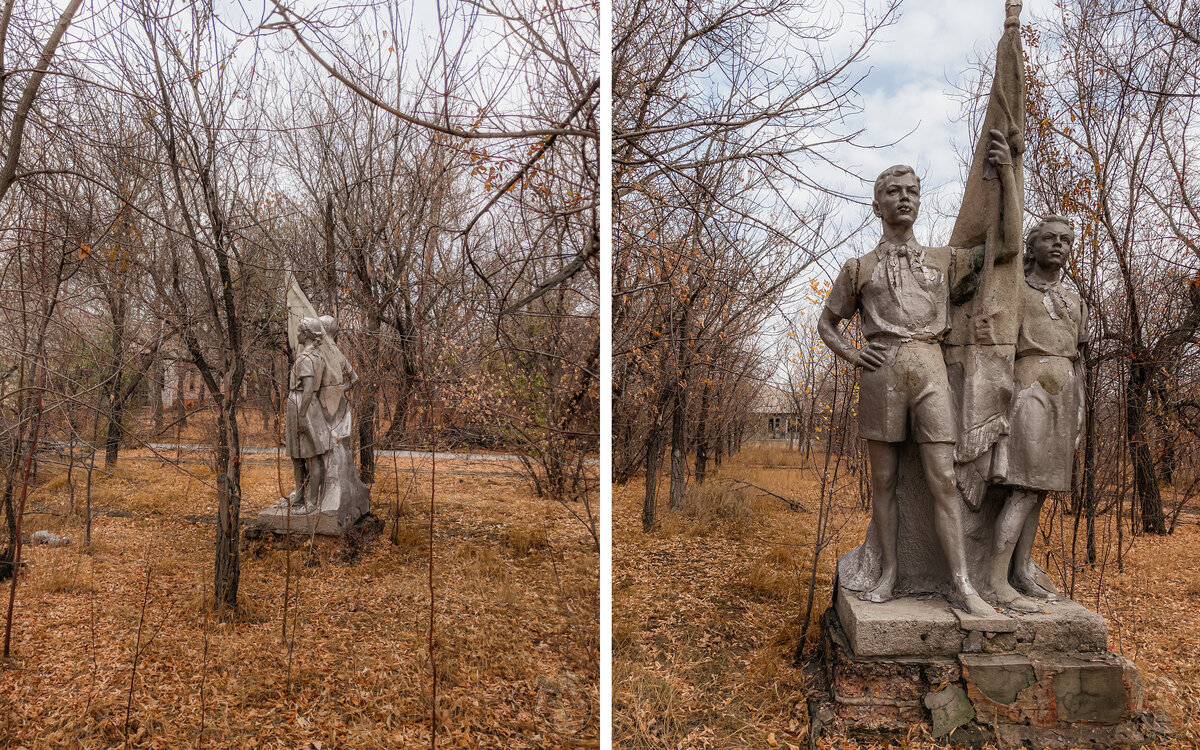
{"x": 705, "y": 610}
{"x": 517, "y": 637}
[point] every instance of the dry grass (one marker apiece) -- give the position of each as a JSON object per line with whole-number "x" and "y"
{"x": 525, "y": 539}
{"x": 706, "y": 609}
{"x": 516, "y": 650}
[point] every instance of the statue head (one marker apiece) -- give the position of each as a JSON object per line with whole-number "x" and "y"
{"x": 330, "y": 324}
{"x": 309, "y": 329}
{"x": 897, "y": 195}
{"x": 1048, "y": 244}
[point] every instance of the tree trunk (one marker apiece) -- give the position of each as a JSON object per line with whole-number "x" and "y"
{"x": 399, "y": 425}
{"x": 679, "y": 449}
{"x": 330, "y": 280}
{"x": 156, "y": 393}
{"x": 702, "y": 436}
{"x": 365, "y": 414}
{"x": 1145, "y": 478}
{"x": 226, "y": 572}
{"x": 1089, "y": 458}
{"x": 8, "y": 554}
{"x": 407, "y": 371}
{"x": 367, "y": 406}
{"x": 113, "y": 416}
{"x": 653, "y": 454}
{"x": 180, "y": 406}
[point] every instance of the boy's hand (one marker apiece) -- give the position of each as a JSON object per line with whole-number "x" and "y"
{"x": 871, "y": 356}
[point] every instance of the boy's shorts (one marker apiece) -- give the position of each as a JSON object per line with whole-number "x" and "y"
{"x": 909, "y": 391}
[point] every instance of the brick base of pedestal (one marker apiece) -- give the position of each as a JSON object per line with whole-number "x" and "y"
{"x": 997, "y": 688}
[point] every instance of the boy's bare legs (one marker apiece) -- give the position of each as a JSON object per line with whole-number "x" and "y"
{"x": 885, "y": 463}
{"x": 937, "y": 459}
{"x": 1010, "y": 526}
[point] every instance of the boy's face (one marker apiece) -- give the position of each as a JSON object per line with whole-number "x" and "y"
{"x": 898, "y": 200}
{"x": 1052, "y": 245}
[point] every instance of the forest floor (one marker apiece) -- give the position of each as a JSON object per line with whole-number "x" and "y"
{"x": 707, "y": 609}
{"x": 516, "y": 644}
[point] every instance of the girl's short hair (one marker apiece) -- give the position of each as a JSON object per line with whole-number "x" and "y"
{"x": 1027, "y": 258}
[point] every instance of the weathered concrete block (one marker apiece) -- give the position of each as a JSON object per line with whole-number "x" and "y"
{"x": 1089, "y": 689}
{"x": 1000, "y": 643}
{"x": 275, "y": 518}
{"x": 949, "y": 709}
{"x": 1014, "y": 699}
{"x": 993, "y": 623}
{"x": 907, "y": 626}
{"x": 1062, "y": 626}
{"x": 1000, "y": 677}
{"x": 1004, "y": 688}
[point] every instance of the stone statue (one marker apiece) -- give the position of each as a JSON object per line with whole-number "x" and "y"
{"x": 902, "y": 292}
{"x": 306, "y": 434}
{"x": 344, "y": 495}
{"x": 329, "y": 497}
{"x": 1045, "y": 416}
{"x": 970, "y": 399}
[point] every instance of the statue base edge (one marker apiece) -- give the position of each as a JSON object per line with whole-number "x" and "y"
{"x": 926, "y": 625}
{"x": 323, "y": 521}
{"x": 1055, "y": 699}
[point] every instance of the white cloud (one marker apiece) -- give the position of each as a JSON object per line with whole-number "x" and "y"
{"x": 909, "y": 98}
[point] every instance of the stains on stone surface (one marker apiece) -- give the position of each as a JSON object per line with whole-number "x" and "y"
{"x": 1039, "y": 699}
{"x": 949, "y": 709}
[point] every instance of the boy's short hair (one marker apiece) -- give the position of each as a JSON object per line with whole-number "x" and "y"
{"x": 898, "y": 170}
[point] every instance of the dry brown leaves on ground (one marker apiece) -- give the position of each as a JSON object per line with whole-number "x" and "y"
{"x": 517, "y": 642}
{"x": 706, "y": 609}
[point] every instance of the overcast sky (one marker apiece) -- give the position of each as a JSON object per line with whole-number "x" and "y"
{"x": 911, "y": 97}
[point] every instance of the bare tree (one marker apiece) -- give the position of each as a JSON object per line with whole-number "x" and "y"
{"x": 1113, "y": 99}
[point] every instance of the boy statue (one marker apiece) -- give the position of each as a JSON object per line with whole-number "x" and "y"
{"x": 902, "y": 292}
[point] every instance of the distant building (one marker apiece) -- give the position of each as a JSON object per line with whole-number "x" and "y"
{"x": 182, "y": 381}
{"x": 774, "y": 417}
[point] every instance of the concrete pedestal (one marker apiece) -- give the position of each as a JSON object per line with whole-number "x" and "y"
{"x": 325, "y": 521}
{"x": 1044, "y": 679}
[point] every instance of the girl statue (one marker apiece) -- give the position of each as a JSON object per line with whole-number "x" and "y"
{"x": 1046, "y": 414}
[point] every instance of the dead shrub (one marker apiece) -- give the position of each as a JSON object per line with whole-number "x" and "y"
{"x": 624, "y": 634}
{"x": 485, "y": 562}
{"x": 410, "y": 539}
{"x": 525, "y": 539}
{"x": 59, "y": 481}
{"x": 250, "y": 610}
{"x": 720, "y": 506}
{"x": 645, "y": 705}
{"x": 65, "y": 579}
{"x": 782, "y": 557}
{"x": 767, "y": 582}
